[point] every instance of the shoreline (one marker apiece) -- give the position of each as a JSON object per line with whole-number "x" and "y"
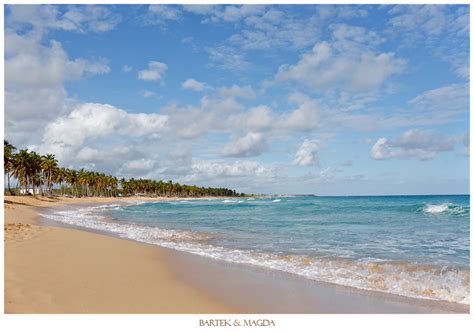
{"x": 278, "y": 292}
{"x": 62, "y": 270}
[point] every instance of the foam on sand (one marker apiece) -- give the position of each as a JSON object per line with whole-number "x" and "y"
{"x": 395, "y": 277}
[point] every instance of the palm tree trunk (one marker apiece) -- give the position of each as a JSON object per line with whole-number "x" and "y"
{"x": 9, "y": 188}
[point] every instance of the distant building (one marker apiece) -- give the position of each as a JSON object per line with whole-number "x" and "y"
{"x": 29, "y": 191}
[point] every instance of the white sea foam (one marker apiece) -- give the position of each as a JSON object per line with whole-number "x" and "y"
{"x": 433, "y": 208}
{"x": 276, "y": 200}
{"x": 401, "y": 278}
{"x": 449, "y": 208}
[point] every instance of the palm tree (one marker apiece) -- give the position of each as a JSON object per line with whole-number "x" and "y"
{"x": 83, "y": 179}
{"x": 72, "y": 177}
{"x": 21, "y": 166}
{"x": 34, "y": 170}
{"x": 60, "y": 177}
{"x": 49, "y": 166}
{"x": 8, "y": 159}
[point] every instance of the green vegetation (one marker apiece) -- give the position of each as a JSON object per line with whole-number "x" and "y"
{"x": 41, "y": 173}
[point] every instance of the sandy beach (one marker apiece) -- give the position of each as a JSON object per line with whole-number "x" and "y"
{"x": 58, "y": 270}
{"x": 63, "y": 270}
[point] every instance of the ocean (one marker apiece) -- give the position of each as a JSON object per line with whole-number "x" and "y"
{"x": 414, "y": 246}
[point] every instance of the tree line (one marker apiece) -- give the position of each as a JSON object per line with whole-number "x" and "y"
{"x": 42, "y": 172}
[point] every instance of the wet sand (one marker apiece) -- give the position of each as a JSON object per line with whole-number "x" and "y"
{"x": 63, "y": 270}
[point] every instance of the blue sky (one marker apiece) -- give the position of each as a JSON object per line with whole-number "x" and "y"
{"x": 329, "y": 100}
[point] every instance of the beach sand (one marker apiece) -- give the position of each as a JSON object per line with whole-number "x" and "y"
{"x": 63, "y": 270}
{"x": 59, "y": 270}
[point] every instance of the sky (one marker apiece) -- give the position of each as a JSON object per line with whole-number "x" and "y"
{"x": 275, "y": 99}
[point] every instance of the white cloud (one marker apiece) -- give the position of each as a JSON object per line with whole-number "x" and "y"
{"x": 90, "y": 122}
{"x": 324, "y": 67}
{"x": 259, "y": 118}
{"x": 79, "y": 18}
{"x": 234, "y": 14}
{"x": 167, "y": 12}
{"x": 238, "y": 91}
{"x": 192, "y": 84}
{"x": 155, "y": 72}
{"x": 158, "y": 14}
{"x": 414, "y": 143}
{"x": 228, "y": 58}
{"x": 307, "y": 153}
{"x": 428, "y": 18}
{"x": 191, "y": 122}
{"x": 444, "y": 31}
{"x": 201, "y": 9}
{"x": 264, "y": 27}
{"x": 354, "y": 39}
{"x": 277, "y": 29}
{"x": 452, "y": 99}
{"x": 251, "y": 145}
{"x": 203, "y": 170}
{"x": 140, "y": 166}
{"x": 305, "y": 117}
{"x": 88, "y": 154}
{"x": 35, "y": 73}
{"x": 439, "y": 106}
{"x": 44, "y": 66}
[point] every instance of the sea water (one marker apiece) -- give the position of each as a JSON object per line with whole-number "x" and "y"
{"x": 415, "y": 246}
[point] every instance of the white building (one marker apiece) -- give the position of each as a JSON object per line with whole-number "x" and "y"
{"x": 30, "y": 191}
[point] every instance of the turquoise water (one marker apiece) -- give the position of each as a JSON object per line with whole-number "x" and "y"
{"x": 415, "y": 246}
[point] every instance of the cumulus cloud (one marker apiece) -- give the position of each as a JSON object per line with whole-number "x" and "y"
{"x": 88, "y": 122}
{"x": 414, "y": 143}
{"x": 45, "y": 66}
{"x": 192, "y": 84}
{"x": 324, "y": 67}
{"x": 155, "y": 71}
{"x": 307, "y": 153}
{"x": 305, "y": 117}
{"x": 259, "y": 118}
{"x": 251, "y": 145}
{"x": 210, "y": 115}
{"x": 35, "y": 74}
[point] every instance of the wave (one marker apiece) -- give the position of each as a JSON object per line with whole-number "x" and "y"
{"x": 276, "y": 200}
{"x": 229, "y": 201}
{"x": 395, "y": 277}
{"x": 445, "y": 208}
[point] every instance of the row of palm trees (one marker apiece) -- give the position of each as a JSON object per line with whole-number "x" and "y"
{"x": 32, "y": 170}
